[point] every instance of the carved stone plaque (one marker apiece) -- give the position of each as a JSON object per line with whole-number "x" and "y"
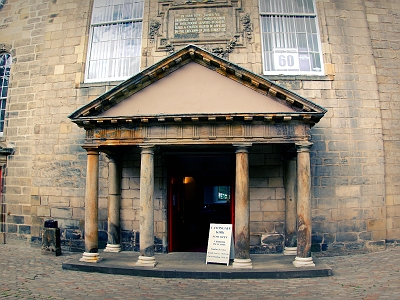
{"x": 207, "y": 24}
{"x": 222, "y": 24}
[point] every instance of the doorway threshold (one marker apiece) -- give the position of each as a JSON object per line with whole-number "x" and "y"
{"x": 192, "y": 265}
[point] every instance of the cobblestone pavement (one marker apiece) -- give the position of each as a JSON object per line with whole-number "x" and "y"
{"x": 26, "y": 274}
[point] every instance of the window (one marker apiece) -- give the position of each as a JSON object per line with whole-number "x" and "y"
{"x": 115, "y": 40}
{"x": 217, "y": 194}
{"x": 290, "y": 37}
{"x": 224, "y": 193}
{"x": 5, "y": 66}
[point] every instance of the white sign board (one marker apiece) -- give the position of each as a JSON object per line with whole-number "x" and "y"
{"x": 220, "y": 244}
{"x": 286, "y": 59}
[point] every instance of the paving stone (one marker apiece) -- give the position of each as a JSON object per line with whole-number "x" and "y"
{"x": 26, "y": 274}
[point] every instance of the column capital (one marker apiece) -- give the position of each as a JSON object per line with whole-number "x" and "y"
{"x": 303, "y": 146}
{"x": 92, "y": 151}
{"x": 242, "y": 147}
{"x": 147, "y": 148}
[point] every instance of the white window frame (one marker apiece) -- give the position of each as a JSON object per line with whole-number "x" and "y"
{"x": 291, "y": 54}
{"x": 119, "y": 60}
{"x": 4, "y": 85}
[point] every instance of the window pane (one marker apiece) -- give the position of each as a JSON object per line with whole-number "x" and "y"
{"x": 300, "y": 24}
{"x": 127, "y": 11}
{"x": 2, "y": 114}
{"x": 302, "y": 41}
{"x": 308, "y": 6}
{"x": 287, "y": 6}
{"x": 4, "y": 91}
{"x": 116, "y": 10}
{"x": 138, "y": 9}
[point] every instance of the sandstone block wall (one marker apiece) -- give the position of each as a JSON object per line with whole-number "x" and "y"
{"x": 384, "y": 28}
{"x": 267, "y": 198}
{"x": 354, "y": 158}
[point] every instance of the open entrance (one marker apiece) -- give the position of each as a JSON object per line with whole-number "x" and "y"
{"x": 201, "y": 191}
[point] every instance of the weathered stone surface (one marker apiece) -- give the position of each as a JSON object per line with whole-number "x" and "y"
{"x": 272, "y": 240}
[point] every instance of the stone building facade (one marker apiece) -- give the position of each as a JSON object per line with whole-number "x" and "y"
{"x": 355, "y": 193}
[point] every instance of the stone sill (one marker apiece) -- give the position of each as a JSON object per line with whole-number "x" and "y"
{"x": 299, "y": 77}
{"x": 99, "y": 84}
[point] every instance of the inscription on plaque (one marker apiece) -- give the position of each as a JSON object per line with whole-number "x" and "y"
{"x": 194, "y": 24}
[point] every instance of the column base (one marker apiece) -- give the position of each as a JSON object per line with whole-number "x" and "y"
{"x": 116, "y": 248}
{"x": 290, "y": 251}
{"x": 242, "y": 263}
{"x": 303, "y": 262}
{"x": 146, "y": 261}
{"x": 90, "y": 257}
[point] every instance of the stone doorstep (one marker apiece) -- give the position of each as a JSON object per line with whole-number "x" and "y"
{"x": 192, "y": 265}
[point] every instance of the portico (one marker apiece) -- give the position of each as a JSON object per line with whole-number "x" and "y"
{"x": 195, "y": 100}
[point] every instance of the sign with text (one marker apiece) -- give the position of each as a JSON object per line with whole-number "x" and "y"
{"x": 201, "y": 24}
{"x": 286, "y": 59}
{"x": 220, "y": 244}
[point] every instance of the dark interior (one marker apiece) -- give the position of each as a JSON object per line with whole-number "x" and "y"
{"x": 200, "y": 193}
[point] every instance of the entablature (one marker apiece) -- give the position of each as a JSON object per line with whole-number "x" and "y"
{"x": 184, "y": 133}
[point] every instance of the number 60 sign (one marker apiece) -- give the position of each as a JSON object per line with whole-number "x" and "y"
{"x": 286, "y": 59}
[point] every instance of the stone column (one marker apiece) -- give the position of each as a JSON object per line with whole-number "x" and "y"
{"x": 290, "y": 207}
{"x": 114, "y": 198}
{"x": 242, "y": 209}
{"x": 146, "y": 238}
{"x": 91, "y": 253}
{"x": 303, "y": 258}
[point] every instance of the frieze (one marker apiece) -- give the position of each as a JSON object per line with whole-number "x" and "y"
{"x": 198, "y": 134}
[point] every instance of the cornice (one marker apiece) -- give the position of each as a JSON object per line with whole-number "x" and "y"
{"x": 89, "y": 122}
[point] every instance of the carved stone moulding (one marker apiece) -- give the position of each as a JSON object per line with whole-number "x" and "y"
{"x": 7, "y": 48}
{"x": 133, "y": 122}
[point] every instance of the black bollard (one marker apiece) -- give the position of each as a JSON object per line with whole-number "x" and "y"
{"x": 51, "y": 238}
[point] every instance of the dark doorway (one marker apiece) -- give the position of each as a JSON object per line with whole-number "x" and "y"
{"x": 200, "y": 192}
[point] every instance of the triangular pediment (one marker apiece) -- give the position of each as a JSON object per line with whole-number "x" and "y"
{"x": 193, "y": 83}
{"x": 194, "y": 89}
